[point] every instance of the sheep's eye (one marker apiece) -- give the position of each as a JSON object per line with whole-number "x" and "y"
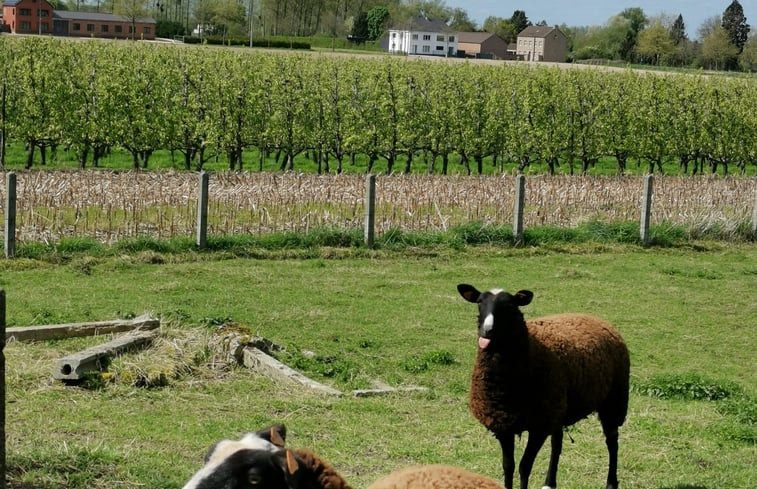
{"x": 254, "y": 479}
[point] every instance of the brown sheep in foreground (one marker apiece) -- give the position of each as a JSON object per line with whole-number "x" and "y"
{"x": 542, "y": 375}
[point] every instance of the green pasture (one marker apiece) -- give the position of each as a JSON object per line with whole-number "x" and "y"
{"x": 349, "y": 318}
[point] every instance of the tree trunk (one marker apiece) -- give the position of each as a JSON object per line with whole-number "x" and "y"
{"x": 30, "y": 155}
{"x": 82, "y": 157}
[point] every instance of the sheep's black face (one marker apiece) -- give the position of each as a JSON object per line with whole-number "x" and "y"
{"x": 248, "y": 469}
{"x": 496, "y": 311}
{"x": 245, "y": 463}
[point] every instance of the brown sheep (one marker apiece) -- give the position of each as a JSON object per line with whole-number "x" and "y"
{"x": 434, "y": 477}
{"x": 542, "y": 375}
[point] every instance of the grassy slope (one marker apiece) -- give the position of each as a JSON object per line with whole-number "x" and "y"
{"x": 392, "y": 317}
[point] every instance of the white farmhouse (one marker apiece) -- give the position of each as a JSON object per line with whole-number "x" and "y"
{"x": 424, "y": 37}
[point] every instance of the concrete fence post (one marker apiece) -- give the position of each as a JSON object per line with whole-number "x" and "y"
{"x": 202, "y": 211}
{"x": 520, "y": 200}
{"x": 2, "y": 389}
{"x": 370, "y": 210}
{"x": 646, "y": 209}
{"x": 9, "y": 242}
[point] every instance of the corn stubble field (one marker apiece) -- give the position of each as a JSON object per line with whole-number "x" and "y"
{"x": 109, "y": 206}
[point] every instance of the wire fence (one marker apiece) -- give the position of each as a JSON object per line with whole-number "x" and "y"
{"x": 110, "y": 206}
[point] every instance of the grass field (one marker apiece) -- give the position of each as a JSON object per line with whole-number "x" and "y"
{"x": 687, "y": 314}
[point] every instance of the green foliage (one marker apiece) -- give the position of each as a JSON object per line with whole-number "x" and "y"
{"x": 734, "y": 24}
{"x": 280, "y": 43}
{"x": 376, "y": 20}
{"x": 690, "y": 386}
{"x": 171, "y": 101}
{"x": 717, "y": 50}
{"x": 742, "y": 407}
{"x": 169, "y": 28}
{"x": 427, "y": 361}
{"x": 655, "y": 45}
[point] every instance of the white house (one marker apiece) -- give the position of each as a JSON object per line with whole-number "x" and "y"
{"x": 424, "y": 37}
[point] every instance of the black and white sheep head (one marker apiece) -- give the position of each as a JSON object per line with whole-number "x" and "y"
{"x": 498, "y": 311}
{"x": 255, "y": 461}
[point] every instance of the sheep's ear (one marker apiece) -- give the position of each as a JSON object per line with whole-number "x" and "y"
{"x": 292, "y": 464}
{"x": 523, "y": 297}
{"x": 276, "y": 434}
{"x": 468, "y": 292}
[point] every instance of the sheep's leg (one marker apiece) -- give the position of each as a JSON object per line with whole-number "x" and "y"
{"x": 611, "y": 440}
{"x": 556, "y": 440}
{"x": 535, "y": 441}
{"x": 507, "y": 442}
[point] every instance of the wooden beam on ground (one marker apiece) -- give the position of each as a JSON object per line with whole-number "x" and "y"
{"x": 71, "y": 330}
{"x": 386, "y": 391}
{"x": 75, "y": 366}
{"x": 255, "y": 359}
{"x": 236, "y": 346}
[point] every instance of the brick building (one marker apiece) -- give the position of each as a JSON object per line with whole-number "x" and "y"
{"x": 542, "y": 43}
{"x": 38, "y": 17}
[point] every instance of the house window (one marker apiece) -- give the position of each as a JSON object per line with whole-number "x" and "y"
{"x": 439, "y": 38}
{"x": 104, "y": 28}
{"x": 440, "y": 48}
{"x": 77, "y": 27}
{"x": 426, "y": 49}
{"x": 90, "y": 27}
{"x": 451, "y": 38}
{"x": 394, "y": 35}
{"x": 426, "y": 37}
{"x": 415, "y": 37}
{"x": 44, "y": 27}
{"x": 118, "y": 29}
{"x": 131, "y": 29}
{"x": 42, "y": 13}
{"x": 145, "y": 30}
{"x": 25, "y": 26}
{"x": 24, "y": 12}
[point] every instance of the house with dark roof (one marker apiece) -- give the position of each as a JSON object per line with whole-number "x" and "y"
{"x": 424, "y": 37}
{"x": 542, "y": 43}
{"x": 38, "y": 17}
{"x": 483, "y": 45}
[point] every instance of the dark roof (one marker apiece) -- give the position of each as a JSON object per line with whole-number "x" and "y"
{"x": 424, "y": 25}
{"x": 98, "y": 17}
{"x": 538, "y": 31}
{"x": 11, "y": 3}
{"x": 475, "y": 37}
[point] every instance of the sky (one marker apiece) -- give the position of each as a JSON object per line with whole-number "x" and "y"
{"x": 597, "y": 12}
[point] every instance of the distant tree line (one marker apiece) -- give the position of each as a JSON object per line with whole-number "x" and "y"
{"x": 724, "y": 41}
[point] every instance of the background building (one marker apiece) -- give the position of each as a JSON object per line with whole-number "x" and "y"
{"x": 425, "y": 37}
{"x": 542, "y": 43}
{"x": 38, "y": 17}
{"x": 483, "y": 45}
